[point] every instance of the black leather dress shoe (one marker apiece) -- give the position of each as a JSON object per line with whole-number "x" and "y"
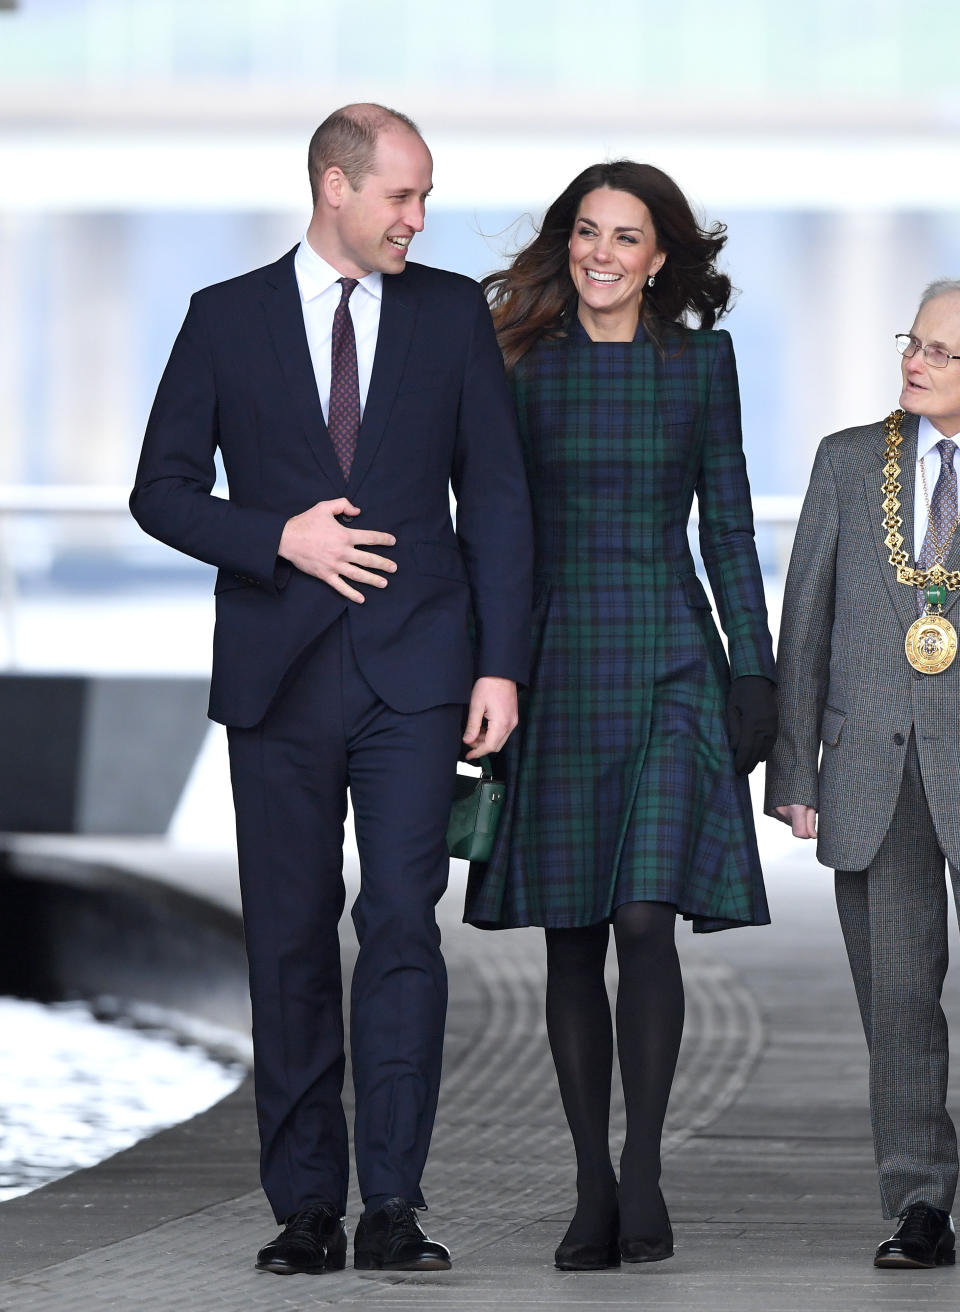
{"x": 649, "y": 1248}
{"x": 313, "y": 1240}
{"x": 924, "y": 1238}
{"x": 390, "y": 1239}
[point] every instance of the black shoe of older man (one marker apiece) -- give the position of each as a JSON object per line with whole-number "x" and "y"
{"x": 390, "y": 1239}
{"x": 924, "y": 1238}
{"x": 312, "y": 1241}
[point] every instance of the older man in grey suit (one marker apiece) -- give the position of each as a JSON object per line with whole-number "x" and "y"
{"x": 868, "y": 757}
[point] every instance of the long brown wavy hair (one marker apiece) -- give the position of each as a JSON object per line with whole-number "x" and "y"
{"x": 535, "y": 297}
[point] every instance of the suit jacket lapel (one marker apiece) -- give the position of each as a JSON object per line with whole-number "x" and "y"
{"x": 902, "y": 597}
{"x": 398, "y": 313}
{"x": 284, "y": 312}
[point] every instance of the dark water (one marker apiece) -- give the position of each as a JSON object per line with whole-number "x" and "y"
{"x": 74, "y": 1089}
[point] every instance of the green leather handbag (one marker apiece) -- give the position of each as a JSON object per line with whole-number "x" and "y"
{"x": 476, "y": 810}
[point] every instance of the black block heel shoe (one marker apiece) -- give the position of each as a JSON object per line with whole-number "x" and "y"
{"x": 648, "y": 1248}
{"x": 589, "y": 1257}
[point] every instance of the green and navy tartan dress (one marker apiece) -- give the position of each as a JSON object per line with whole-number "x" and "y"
{"x": 620, "y": 775}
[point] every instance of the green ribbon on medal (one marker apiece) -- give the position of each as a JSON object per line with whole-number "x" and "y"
{"x": 931, "y": 643}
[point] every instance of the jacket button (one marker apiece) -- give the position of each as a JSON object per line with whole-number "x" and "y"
{"x": 899, "y": 739}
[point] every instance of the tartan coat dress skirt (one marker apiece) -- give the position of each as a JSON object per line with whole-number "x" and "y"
{"x": 620, "y": 778}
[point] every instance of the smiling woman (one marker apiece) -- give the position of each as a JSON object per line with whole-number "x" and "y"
{"x": 627, "y": 797}
{"x": 613, "y": 228}
{"x": 613, "y": 253}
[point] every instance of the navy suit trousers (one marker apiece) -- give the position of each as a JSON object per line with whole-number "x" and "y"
{"x": 325, "y": 732}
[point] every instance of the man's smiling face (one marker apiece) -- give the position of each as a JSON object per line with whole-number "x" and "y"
{"x": 376, "y": 222}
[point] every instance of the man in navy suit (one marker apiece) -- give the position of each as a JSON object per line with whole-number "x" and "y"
{"x": 346, "y": 390}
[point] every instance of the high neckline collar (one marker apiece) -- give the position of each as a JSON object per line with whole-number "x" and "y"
{"x": 579, "y": 336}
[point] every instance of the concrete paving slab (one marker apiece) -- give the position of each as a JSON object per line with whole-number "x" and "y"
{"x": 768, "y": 1171}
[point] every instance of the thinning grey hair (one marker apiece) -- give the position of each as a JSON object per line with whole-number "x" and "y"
{"x": 939, "y": 287}
{"x": 348, "y": 138}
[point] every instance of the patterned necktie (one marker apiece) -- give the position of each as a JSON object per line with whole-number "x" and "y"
{"x": 943, "y": 511}
{"x": 343, "y": 421}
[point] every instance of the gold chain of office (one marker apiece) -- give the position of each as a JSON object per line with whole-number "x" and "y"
{"x": 936, "y": 576}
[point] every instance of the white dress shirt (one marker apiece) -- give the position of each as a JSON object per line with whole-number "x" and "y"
{"x": 320, "y": 294}
{"x": 927, "y": 439}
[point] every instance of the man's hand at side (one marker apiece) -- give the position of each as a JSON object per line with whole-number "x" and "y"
{"x": 319, "y": 545}
{"x": 801, "y": 819}
{"x": 493, "y": 701}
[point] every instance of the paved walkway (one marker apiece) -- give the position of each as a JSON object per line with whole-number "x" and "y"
{"x": 768, "y": 1173}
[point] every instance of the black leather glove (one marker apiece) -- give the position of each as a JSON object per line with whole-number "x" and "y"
{"x": 751, "y": 720}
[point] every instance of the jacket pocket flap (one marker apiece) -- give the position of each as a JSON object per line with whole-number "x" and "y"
{"x": 435, "y": 558}
{"x": 831, "y": 725}
{"x": 227, "y": 581}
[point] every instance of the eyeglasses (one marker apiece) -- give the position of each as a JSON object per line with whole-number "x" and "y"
{"x": 935, "y": 356}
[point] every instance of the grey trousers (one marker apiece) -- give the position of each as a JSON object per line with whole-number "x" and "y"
{"x": 894, "y": 921}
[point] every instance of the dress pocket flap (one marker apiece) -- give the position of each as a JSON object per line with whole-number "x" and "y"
{"x": 694, "y": 592}
{"x": 831, "y": 725}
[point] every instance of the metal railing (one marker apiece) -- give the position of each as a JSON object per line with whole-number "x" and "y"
{"x": 106, "y": 498}
{"x": 73, "y": 501}
{"x": 21, "y": 499}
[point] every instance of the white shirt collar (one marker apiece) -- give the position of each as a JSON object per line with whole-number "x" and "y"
{"x": 315, "y": 276}
{"x": 927, "y": 438}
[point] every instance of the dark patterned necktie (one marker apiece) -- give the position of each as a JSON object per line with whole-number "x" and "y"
{"x": 343, "y": 421}
{"x": 943, "y": 512}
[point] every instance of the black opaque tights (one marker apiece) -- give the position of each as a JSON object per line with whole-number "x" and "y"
{"x": 649, "y": 1015}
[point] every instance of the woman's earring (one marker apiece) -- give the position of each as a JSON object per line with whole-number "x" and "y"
{"x": 651, "y": 280}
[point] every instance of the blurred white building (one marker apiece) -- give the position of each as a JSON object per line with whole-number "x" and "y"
{"x": 149, "y": 147}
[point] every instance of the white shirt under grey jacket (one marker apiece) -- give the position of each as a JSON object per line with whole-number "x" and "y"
{"x": 927, "y": 439}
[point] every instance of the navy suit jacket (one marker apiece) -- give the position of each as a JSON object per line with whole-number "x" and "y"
{"x": 438, "y": 411}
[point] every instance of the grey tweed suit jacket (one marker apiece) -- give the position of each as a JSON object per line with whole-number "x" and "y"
{"x": 848, "y": 696}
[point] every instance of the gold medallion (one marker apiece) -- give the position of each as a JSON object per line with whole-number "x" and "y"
{"x": 931, "y": 644}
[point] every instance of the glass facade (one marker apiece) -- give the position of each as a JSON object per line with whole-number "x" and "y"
{"x": 690, "y": 50}
{"x": 152, "y": 147}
